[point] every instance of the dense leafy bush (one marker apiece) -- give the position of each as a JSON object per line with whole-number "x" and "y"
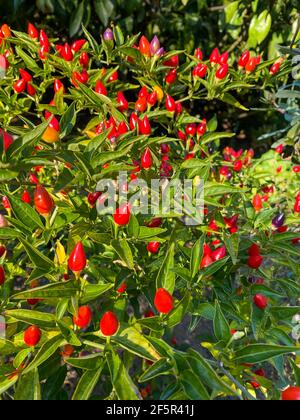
{"x": 74, "y": 115}
{"x": 188, "y": 24}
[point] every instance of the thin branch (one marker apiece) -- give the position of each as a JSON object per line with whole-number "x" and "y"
{"x": 296, "y": 32}
{"x": 236, "y": 383}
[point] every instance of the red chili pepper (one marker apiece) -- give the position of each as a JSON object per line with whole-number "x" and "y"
{"x": 77, "y": 259}
{"x": 214, "y": 57}
{"x": 84, "y": 59}
{"x": 66, "y": 53}
{"x": 219, "y": 253}
{"x": 238, "y": 166}
{"x": 25, "y": 75}
{"x": 2, "y": 274}
{"x": 84, "y": 317}
{"x": 199, "y": 54}
{"x": 257, "y": 202}
{"x": 172, "y": 62}
{"x": 146, "y": 160}
{"x": 122, "y": 215}
{"x": 19, "y": 86}
{"x": 163, "y": 301}
{"x": 26, "y": 197}
{"x": 223, "y": 59}
{"x": 171, "y": 76}
{"x": 100, "y": 88}
{"x": 141, "y": 105}
{"x": 170, "y": 104}
{"x": 123, "y": 104}
{"x": 200, "y": 70}
{"x": 251, "y": 65}
{"x": 260, "y": 301}
{"x": 114, "y": 77}
{"x": 255, "y": 261}
{"x": 78, "y": 45}
{"x": 292, "y": 393}
{"x": 122, "y": 129}
{"x": 153, "y": 247}
{"x": 32, "y": 336}
{"x": 43, "y": 202}
{"x": 152, "y": 99}
{"x": 43, "y": 52}
{"x": 144, "y": 126}
{"x": 31, "y": 90}
{"x": 93, "y": 197}
{"x": 222, "y": 72}
{"x": 32, "y": 31}
{"x": 44, "y": 40}
{"x": 144, "y": 47}
{"x": 109, "y": 324}
{"x": 244, "y": 59}
{"x": 134, "y": 120}
{"x": 58, "y": 85}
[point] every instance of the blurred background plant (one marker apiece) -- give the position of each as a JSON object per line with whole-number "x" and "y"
{"x": 257, "y": 24}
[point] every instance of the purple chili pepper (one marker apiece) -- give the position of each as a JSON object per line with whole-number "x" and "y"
{"x": 159, "y": 53}
{"x": 278, "y": 220}
{"x": 155, "y": 45}
{"x": 108, "y": 35}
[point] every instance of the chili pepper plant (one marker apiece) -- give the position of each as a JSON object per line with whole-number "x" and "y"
{"x": 142, "y": 306}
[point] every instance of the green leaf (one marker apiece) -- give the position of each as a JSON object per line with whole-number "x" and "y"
{"x": 45, "y": 352}
{"x": 87, "y": 383}
{"x": 29, "y": 139}
{"x": 159, "y": 368}
{"x": 133, "y": 341}
{"x": 31, "y": 317}
{"x": 8, "y": 174}
{"x": 50, "y": 291}
{"x": 296, "y": 370}
{"x": 221, "y": 326}
{"x": 25, "y": 213}
{"x": 197, "y": 254}
{"x": 104, "y": 9}
{"x": 177, "y": 315}
{"x": 147, "y": 233}
{"x": 213, "y": 268}
{"x": 9, "y": 233}
{"x": 76, "y": 19}
{"x": 229, "y": 99}
{"x": 259, "y": 28}
{"x": 91, "y": 362}
{"x": 133, "y": 227}
{"x": 123, "y": 250}
{"x": 119, "y": 36}
{"x": 210, "y": 137}
{"x": 6, "y": 384}
{"x": 94, "y": 291}
{"x": 54, "y": 384}
{"x": 166, "y": 276}
{"x": 193, "y": 387}
{"x": 30, "y": 63}
{"x": 207, "y": 374}
{"x": 121, "y": 381}
{"x": 232, "y": 246}
{"x": 68, "y": 120}
{"x": 28, "y": 388}
{"x": 36, "y": 257}
{"x": 21, "y": 356}
{"x": 256, "y": 353}
{"x": 7, "y": 347}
